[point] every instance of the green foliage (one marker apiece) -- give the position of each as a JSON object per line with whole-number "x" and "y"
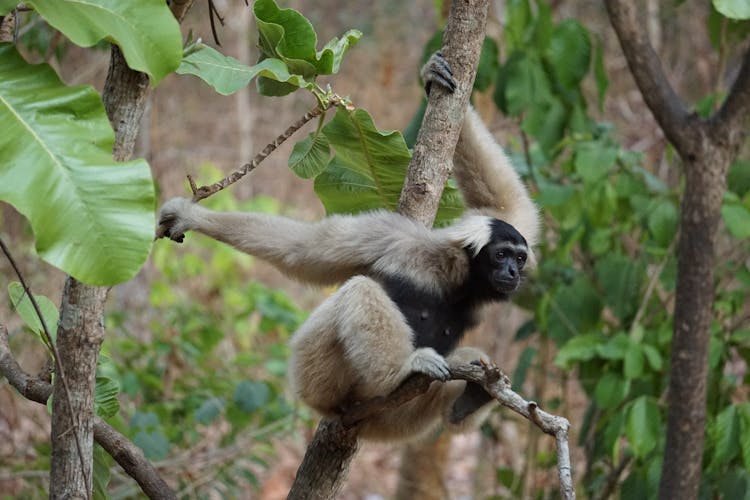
{"x": 20, "y": 301}
{"x": 368, "y": 168}
{"x": 227, "y": 75}
{"x": 733, "y": 9}
{"x": 606, "y": 279}
{"x": 92, "y": 217}
{"x": 214, "y": 361}
{"x": 145, "y": 30}
{"x": 540, "y": 80}
{"x": 287, "y": 36}
{"x": 102, "y": 465}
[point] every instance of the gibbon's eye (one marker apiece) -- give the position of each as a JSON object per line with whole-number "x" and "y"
{"x": 521, "y": 259}
{"x": 500, "y": 255}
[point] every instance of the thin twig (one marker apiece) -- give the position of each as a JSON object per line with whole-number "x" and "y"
{"x": 56, "y": 356}
{"x": 652, "y": 286}
{"x": 213, "y": 11}
{"x": 498, "y": 386}
{"x": 203, "y": 192}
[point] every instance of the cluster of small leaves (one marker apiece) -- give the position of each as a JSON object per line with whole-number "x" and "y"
{"x": 539, "y": 82}
{"x": 289, "y": 59}
{"x": 606, "y": 281}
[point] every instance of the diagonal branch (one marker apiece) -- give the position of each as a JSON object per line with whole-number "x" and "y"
{"x": 646, "y": 68}
{"x": 128, "y": 455}
{"x": 729, "y": 122}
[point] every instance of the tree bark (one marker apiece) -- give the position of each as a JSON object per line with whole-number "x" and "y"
{"x": 706, "y": 148}
{"x": 79, "y": 337}
{"x": 334, "y": 445}
{"x": 432, "y": 159}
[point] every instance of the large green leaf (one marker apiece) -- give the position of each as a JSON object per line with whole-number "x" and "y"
{"x": 92, "y": 217}
{"x": 8, "y": 5}
{"x": 733, "y": 9}
{"x": 310, "y": 156}
{"x": 369, "y": 164}
{"x": 643, "y": 426}
{"x": 227, "y": 75}
{"x": 145, "y": 30}
{"x": 569, "y": 52}
{"x": 737, "y": 219}
{"x": 106, "y": 404}
{"x": 287, "y": 35}
{"x": 368, "y": 169}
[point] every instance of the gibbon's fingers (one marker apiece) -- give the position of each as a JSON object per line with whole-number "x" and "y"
{"x": 437, "y": 70}
{"x": 426, "y": 360}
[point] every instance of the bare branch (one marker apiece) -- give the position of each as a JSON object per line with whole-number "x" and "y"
{"x": 729, "y": 122}
{"x": 128, "y": 455}
{"x": 498, "y": 386}
{"x": 202, "y": 192}
{"x": 647, "y": 70}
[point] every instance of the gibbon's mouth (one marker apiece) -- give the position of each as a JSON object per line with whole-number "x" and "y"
{"x": 507, "y": 285}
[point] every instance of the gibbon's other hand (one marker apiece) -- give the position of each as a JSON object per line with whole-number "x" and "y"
{"x": 437, "y": 70}
{"x": 174, "y": 219}
{"x": 426, "y": 360}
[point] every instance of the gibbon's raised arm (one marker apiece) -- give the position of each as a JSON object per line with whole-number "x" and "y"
{"x": 325, "y": 252}
{"x": 489, "y": 182}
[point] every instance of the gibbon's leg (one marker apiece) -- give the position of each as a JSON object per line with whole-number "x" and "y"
{"x": 461, "y": 407}
{"x": 472, "y": 405}
{"x": 356, "y": 345}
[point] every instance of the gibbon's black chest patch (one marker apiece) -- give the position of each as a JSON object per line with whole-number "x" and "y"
{"x": 437, "y": 321}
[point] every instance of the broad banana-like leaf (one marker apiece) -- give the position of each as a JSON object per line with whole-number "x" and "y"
{"x": 368, "y": 169}
{"x": 145, "y": 30}
{"x": 92, "y": 217}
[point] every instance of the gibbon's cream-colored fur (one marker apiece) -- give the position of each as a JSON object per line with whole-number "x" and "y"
{"x": 357, "y": 344}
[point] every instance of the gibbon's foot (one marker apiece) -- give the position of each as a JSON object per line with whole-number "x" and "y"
{"x": 426, "y": 360}
{"x": 437, "y": 70}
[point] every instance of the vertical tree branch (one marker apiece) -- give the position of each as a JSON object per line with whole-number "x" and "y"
{"x": 432, "y": 158}
{"x": 648, "y": 73}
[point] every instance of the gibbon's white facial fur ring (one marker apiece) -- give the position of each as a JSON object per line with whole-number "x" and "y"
{"x": 473, "y": 232}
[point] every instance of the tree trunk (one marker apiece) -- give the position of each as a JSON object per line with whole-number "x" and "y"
{"x": 699, "y": 220}
{"x": 420, "y": 476}
{"x": 81, "y": 329}
{"x": 79, "y": 337}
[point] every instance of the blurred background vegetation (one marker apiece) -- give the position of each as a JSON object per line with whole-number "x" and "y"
{"x": 197, "y": 341}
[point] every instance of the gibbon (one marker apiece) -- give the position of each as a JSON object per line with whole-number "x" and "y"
{"x": 409, "y": 293}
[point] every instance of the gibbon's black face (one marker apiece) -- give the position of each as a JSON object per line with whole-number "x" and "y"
{"x": 502, "y": 260}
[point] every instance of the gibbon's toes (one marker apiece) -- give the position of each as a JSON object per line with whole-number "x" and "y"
{"x": 426, "y": 360}
{"x": 438, "y": 71}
